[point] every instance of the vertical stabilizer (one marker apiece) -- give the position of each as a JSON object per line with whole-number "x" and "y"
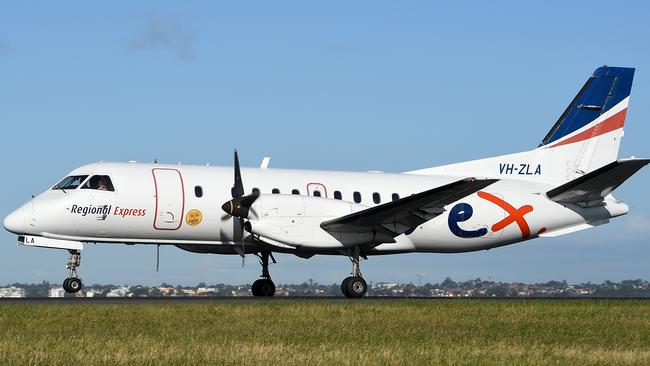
{"x": 586, "y": 137}
{"x": 589, "y": 131}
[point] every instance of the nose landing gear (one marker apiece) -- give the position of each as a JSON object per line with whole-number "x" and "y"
{"x": 264, "y": 287}
{"x": 73, "y": 284}
{"x": 355, "y": 286}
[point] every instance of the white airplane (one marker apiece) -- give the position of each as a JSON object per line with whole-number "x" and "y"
{"x": 562, "y": 186}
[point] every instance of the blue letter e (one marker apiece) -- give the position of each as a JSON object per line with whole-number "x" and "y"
{"x": 463, "y": 212}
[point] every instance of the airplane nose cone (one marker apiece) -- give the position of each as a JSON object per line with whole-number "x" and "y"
{"x": 15, "y": 221}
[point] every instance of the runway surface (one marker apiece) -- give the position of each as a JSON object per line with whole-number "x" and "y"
{"x": 203, "y": 300}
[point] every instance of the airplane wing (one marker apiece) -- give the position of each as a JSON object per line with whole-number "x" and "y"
{"x": 398, "y": 217}
{"x": 597, "y": 184}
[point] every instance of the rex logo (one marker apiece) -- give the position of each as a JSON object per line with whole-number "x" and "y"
{"x": 464, "y": 211}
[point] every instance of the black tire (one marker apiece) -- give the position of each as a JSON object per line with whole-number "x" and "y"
{"x": 357, "y": 287}
{"x": 74, "y": 285}
{"x": 255, "y": 288}
{"x": 66, "y": 286}
{"x": 267, "y": 288}
{"x": 263, "y": 288}
{"x": 344, "y": 286}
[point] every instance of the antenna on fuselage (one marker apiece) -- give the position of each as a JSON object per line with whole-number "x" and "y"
{"x": 157, "y": 257}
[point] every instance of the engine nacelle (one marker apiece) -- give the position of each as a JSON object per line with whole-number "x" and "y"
{"x": 292, "y": 221}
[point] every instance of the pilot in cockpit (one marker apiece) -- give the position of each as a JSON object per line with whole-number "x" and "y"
{"x": 98, "y": 182}
{"x": 101, "y": 185}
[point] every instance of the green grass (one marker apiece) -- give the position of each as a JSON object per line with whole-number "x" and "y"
{"x": 305, "y": 332}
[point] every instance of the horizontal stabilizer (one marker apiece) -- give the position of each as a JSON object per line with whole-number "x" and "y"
{"x": 398, "y": 217}
{"x": 597, "y": 184}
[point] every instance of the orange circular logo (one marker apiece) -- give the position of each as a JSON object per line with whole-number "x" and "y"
{"x": 194, "y": 217}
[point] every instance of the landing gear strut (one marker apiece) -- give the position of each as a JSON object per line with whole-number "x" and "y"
{"x": 354, "y": 286}
{"x": 264, "y": 287}
{"x": 73, "y": 284}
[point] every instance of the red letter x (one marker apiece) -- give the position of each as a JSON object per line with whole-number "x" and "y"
{"x": 513, "y": 214}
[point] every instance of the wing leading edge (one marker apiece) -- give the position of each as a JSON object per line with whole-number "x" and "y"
{"x": 392, "y": 219}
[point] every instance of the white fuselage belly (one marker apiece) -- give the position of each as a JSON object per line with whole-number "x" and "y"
{"x": 155, "y": 211}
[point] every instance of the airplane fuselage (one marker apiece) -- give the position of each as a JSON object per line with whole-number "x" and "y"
{"x": 180, "y": 205}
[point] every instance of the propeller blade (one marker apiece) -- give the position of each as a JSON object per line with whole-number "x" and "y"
{"x": 157, "y": 257}
{"x": 238, "y": 189}
{"x": 239, "y": 205}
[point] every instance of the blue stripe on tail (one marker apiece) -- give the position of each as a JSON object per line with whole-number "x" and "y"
{"x": 607, "y": 87}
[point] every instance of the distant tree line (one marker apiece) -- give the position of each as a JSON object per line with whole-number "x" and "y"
{"x": 446, "y": 288}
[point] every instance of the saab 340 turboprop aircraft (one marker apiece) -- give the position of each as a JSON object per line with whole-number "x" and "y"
{"x": 562, "y": 186}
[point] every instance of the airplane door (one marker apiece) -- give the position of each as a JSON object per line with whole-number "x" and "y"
{"x": 170, "y": 199}
{"x": 316, "y": 190}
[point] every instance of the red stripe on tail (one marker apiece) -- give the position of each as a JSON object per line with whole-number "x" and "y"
{"x": 610, "y": 124}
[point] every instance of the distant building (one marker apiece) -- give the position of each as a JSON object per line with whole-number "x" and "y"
{"x": 206, "y": 291}
{"x": 57, "y": 292}
{"x": 118, "y": 292}
{"x": 12, "y": 292}
{"x": 165, "y": 291}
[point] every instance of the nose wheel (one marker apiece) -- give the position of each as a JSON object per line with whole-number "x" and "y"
{"x": 264, "y": 287}
{"x": 73, "y": 284}
{"x": 355, "y": 286}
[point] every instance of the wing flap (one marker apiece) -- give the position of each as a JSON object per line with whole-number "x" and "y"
{"x": 598, "y": 184}
{"x": 398, "y": 217}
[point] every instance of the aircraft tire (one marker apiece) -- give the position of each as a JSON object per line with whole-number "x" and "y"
{"x": 74, "y": 285}
{"x": 263, "y": 288}
{"x": 66, "y": 286}
{"x": 356, "y": 287}
{"x": 344, "y": 286}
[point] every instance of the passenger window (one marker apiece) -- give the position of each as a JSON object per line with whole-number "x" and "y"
{"x": 357, "y": 197}
{"x": 376, "y": 198}
{"x": 316, "y": 193}
{"x": 338, "y": 195}
{"x": 295, "y": 191}
{"x": 99, "y": 183}
{"x": 256, "y": 191}
{"x": 70, "y": 182}
{"x": 395, "y": 197}
{"x": 198, "y": 191}
{"x": 275, "y": 191}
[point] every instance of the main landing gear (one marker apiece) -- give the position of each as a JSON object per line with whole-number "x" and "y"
{"x": 264, "y": 287}
{"x": 73, "y": 284}
{"x": 355, "y": 286}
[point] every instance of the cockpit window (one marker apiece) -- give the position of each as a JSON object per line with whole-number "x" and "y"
{"x": 71, "y": 182}
{"x": 99, "y": 183}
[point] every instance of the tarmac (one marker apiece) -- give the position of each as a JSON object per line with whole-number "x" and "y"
{"x": 204, "y": 300}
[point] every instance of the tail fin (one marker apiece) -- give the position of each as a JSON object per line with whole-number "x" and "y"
{"x": 588, "y": 134}
{"x": 585, "y": 138}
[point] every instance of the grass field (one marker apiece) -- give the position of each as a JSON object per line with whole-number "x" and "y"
{"x": 305, "y": 332}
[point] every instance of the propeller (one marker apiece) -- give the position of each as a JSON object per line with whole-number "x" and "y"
{"x": 240, "y": 205}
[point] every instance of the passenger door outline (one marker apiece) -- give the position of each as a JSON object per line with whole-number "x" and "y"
{"x": 312, "y": 187}
{"x": 161, "y": 184}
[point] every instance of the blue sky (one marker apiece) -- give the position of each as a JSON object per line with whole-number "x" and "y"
{"x": 338, "y": 85}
